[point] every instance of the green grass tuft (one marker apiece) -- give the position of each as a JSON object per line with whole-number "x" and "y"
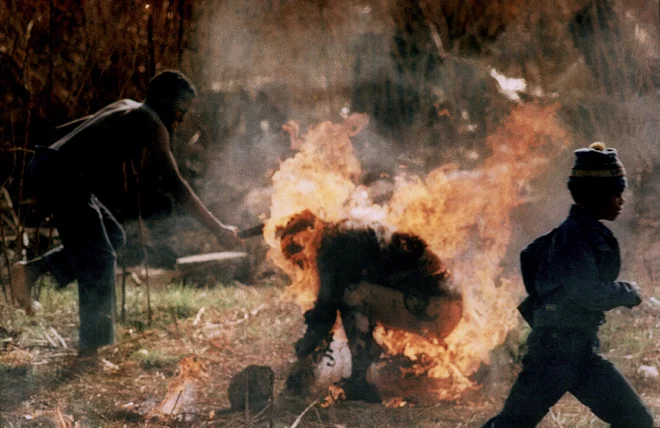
{"x": 152, "y": 359}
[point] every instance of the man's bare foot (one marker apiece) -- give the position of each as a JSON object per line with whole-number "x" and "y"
{"x": 23, "y": 278}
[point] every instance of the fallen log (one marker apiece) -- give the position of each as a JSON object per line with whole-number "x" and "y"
{"x": 211, "y": 268}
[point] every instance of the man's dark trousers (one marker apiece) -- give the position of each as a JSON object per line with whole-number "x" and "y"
{"x": 90, "y": 236}
{"x": 566, "y": 360}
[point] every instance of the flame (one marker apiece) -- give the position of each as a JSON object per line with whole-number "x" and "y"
{"x": 183, "y": 389}
{"x": 395, "y": 402}
{"x": 336, "y": 394}
{"x": 463, "y": 215}
{"x": 320, "y": 178}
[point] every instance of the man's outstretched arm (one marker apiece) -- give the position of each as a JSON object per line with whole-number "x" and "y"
{"x": 161, "y": 161}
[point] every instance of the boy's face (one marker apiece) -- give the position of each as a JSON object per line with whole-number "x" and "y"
{"x": 608, "y": 207}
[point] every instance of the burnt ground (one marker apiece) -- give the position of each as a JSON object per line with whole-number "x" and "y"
{"x": 238, "y": 326}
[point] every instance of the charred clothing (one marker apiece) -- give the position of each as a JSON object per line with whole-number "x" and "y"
{"x": 364, "y": 351}
{"x": 347, "y": 257}
{"x": 341, "y": 260}
{"x": 574, "y": 284}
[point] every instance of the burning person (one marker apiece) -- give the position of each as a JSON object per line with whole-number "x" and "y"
{"x": 571, "y": 274}
{"x": 368, "y": 275}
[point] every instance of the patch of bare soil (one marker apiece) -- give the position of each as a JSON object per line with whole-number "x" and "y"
{"x": 177, "y": 373}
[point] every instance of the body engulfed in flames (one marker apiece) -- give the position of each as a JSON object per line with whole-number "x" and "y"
{"x": 463, "y": 216}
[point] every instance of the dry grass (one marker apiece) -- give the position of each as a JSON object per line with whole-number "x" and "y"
{"x": 239, "y": 326}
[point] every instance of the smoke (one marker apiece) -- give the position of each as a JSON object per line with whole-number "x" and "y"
{"x": 271, "y": 62}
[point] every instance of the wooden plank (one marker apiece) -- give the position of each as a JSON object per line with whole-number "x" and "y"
{"x": 211, "y": 268}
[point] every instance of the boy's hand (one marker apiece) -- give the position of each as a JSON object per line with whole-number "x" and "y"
{"x": 634, "y": 288}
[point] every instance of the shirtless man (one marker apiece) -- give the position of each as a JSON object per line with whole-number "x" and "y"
{"x": 64, "y": 177}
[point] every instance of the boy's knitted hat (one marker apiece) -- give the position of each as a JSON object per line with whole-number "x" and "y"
{"x": 598, "y": 162}
{"x": 598, "y": 167}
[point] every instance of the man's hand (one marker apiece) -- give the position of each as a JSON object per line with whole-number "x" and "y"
{"x": 227, "y": 237}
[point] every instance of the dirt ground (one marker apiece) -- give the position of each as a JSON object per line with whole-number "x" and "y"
{"x": 228, "y": 328}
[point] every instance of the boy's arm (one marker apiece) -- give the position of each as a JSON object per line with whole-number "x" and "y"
{"x": 578, "y": 271}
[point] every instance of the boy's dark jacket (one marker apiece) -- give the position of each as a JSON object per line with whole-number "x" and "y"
{"x": 570, "y": 275}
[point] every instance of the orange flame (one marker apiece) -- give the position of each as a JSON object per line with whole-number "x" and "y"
{"x": 463, "y": 215}
{"x": 183, "y": 389}
{"x": 320, "y": 178}
{"x": 336, "y": 394}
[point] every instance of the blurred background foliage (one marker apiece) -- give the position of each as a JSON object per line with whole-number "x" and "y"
{"x": 425, "y": 71}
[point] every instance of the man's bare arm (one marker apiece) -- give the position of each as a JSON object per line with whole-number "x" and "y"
{"x": 162, "y": 162}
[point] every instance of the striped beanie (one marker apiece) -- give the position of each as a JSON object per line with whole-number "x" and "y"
{"x": 599, "y": 168}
